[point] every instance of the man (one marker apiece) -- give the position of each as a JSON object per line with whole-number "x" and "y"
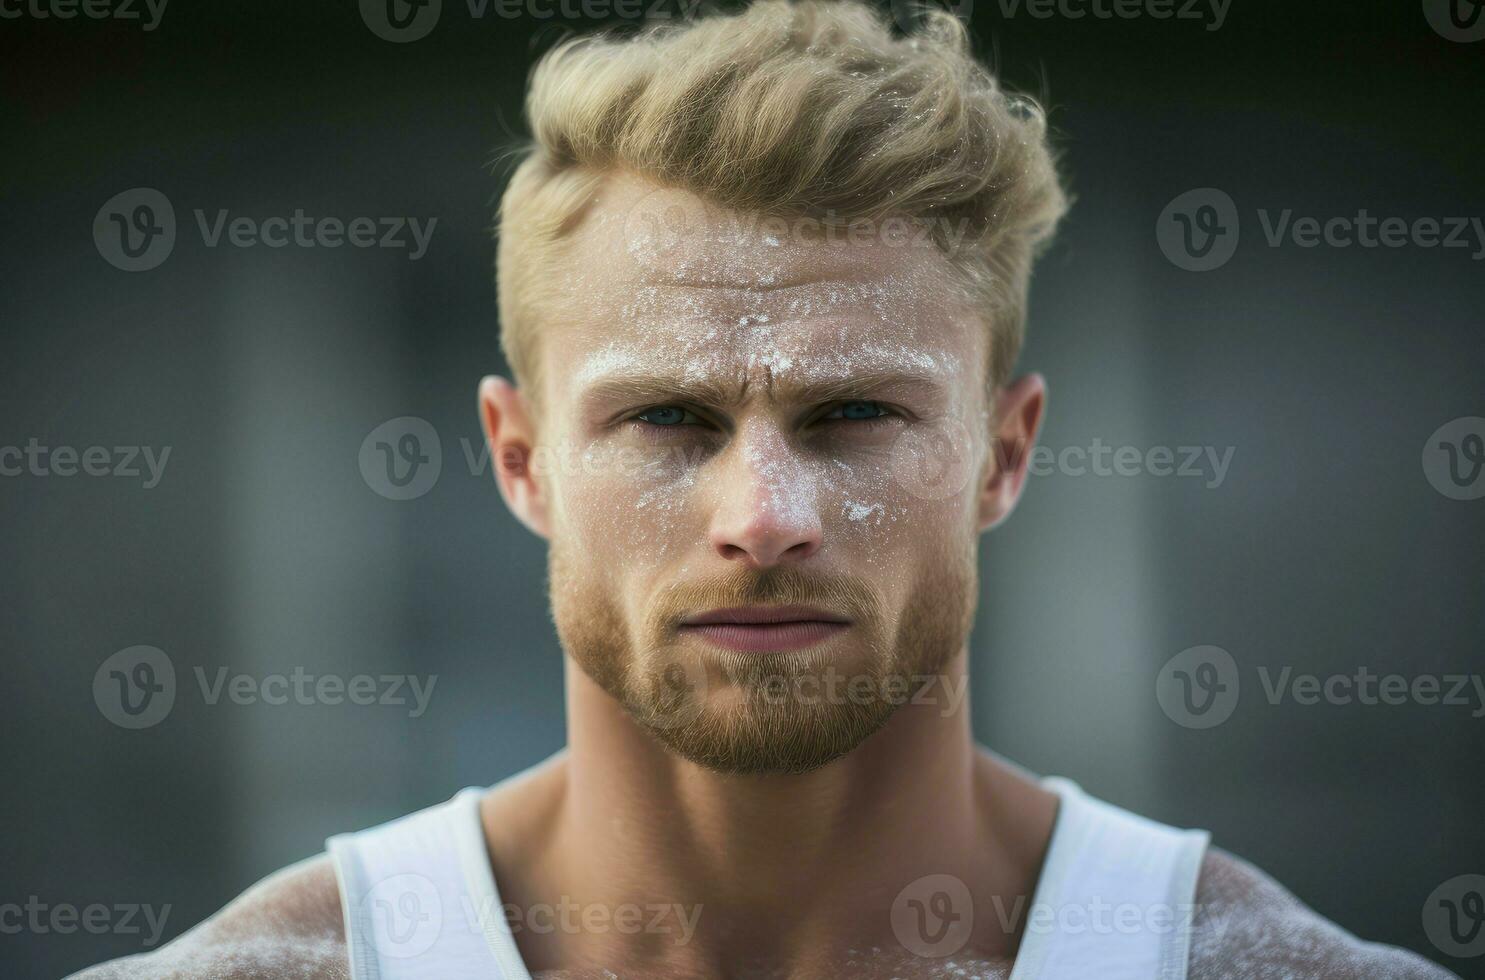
{"x": 762, "y": 284}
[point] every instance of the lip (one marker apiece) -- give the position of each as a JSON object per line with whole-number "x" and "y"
{"x": 763, "y": 615}
{"x": 765, "y": 628}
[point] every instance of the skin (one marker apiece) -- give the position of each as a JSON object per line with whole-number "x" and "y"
{"x": 648, "y": 526}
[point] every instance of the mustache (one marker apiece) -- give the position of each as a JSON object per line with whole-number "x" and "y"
{"x": 781, "y": 585}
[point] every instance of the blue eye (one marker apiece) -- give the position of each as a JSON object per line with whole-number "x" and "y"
{"x": 666, "y": 415}
{"x": 857, "y": 411}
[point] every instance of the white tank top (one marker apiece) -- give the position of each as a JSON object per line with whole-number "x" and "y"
{"x": 1115, "y": 900}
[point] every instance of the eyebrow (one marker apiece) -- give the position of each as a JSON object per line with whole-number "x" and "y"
{"x": 720, "y": 392}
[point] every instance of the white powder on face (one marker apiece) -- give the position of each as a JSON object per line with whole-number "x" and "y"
{"x": 785, "y": 484}
{"x": 666, "y": 493}
{"x": 859, "y": 512}
{"x": 665, "y": 331}
{"x": 711, "y": 309}
{"x": 796, "y": 489}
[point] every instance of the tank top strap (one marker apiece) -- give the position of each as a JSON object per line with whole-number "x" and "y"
{"x": 419, "y": 898}
{"x": 1116, "y": 898}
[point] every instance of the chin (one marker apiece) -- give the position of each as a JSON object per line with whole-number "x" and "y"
{"x": 752, "y": 721}
{"x": 738, "y": 742}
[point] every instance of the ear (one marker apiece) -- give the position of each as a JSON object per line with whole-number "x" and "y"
{"x": 1017, "y": 419}
{"x": 512, "y": 440}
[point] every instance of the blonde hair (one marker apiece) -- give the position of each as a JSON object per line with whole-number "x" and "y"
{"x": 790, "y": 108}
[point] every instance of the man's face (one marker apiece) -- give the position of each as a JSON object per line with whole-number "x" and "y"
{"x": 737, "y": 419}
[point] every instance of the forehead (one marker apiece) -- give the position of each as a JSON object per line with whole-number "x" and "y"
{"x": 656, "y": 281}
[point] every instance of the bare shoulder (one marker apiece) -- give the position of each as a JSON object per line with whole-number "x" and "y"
{"x": 1249, "y": 927}
{"x": 287, "y": 925}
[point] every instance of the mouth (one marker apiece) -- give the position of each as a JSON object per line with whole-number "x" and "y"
{"x": 759, "y": 629}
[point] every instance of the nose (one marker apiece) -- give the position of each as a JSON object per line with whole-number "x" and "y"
{"x": 766, "y": 510}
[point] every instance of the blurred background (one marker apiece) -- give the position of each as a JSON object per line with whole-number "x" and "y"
{"x": 1334, "y": 380}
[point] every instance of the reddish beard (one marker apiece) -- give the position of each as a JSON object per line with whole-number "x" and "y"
{"x": 762, "y": 712}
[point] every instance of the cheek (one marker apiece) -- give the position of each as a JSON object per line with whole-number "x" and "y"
{"x": 625, "y": 506}
{"x": 862, "y": 508}
{"x": 888, "y": 514}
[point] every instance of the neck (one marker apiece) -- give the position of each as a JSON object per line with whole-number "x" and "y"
{"x": 783, "y": 864}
